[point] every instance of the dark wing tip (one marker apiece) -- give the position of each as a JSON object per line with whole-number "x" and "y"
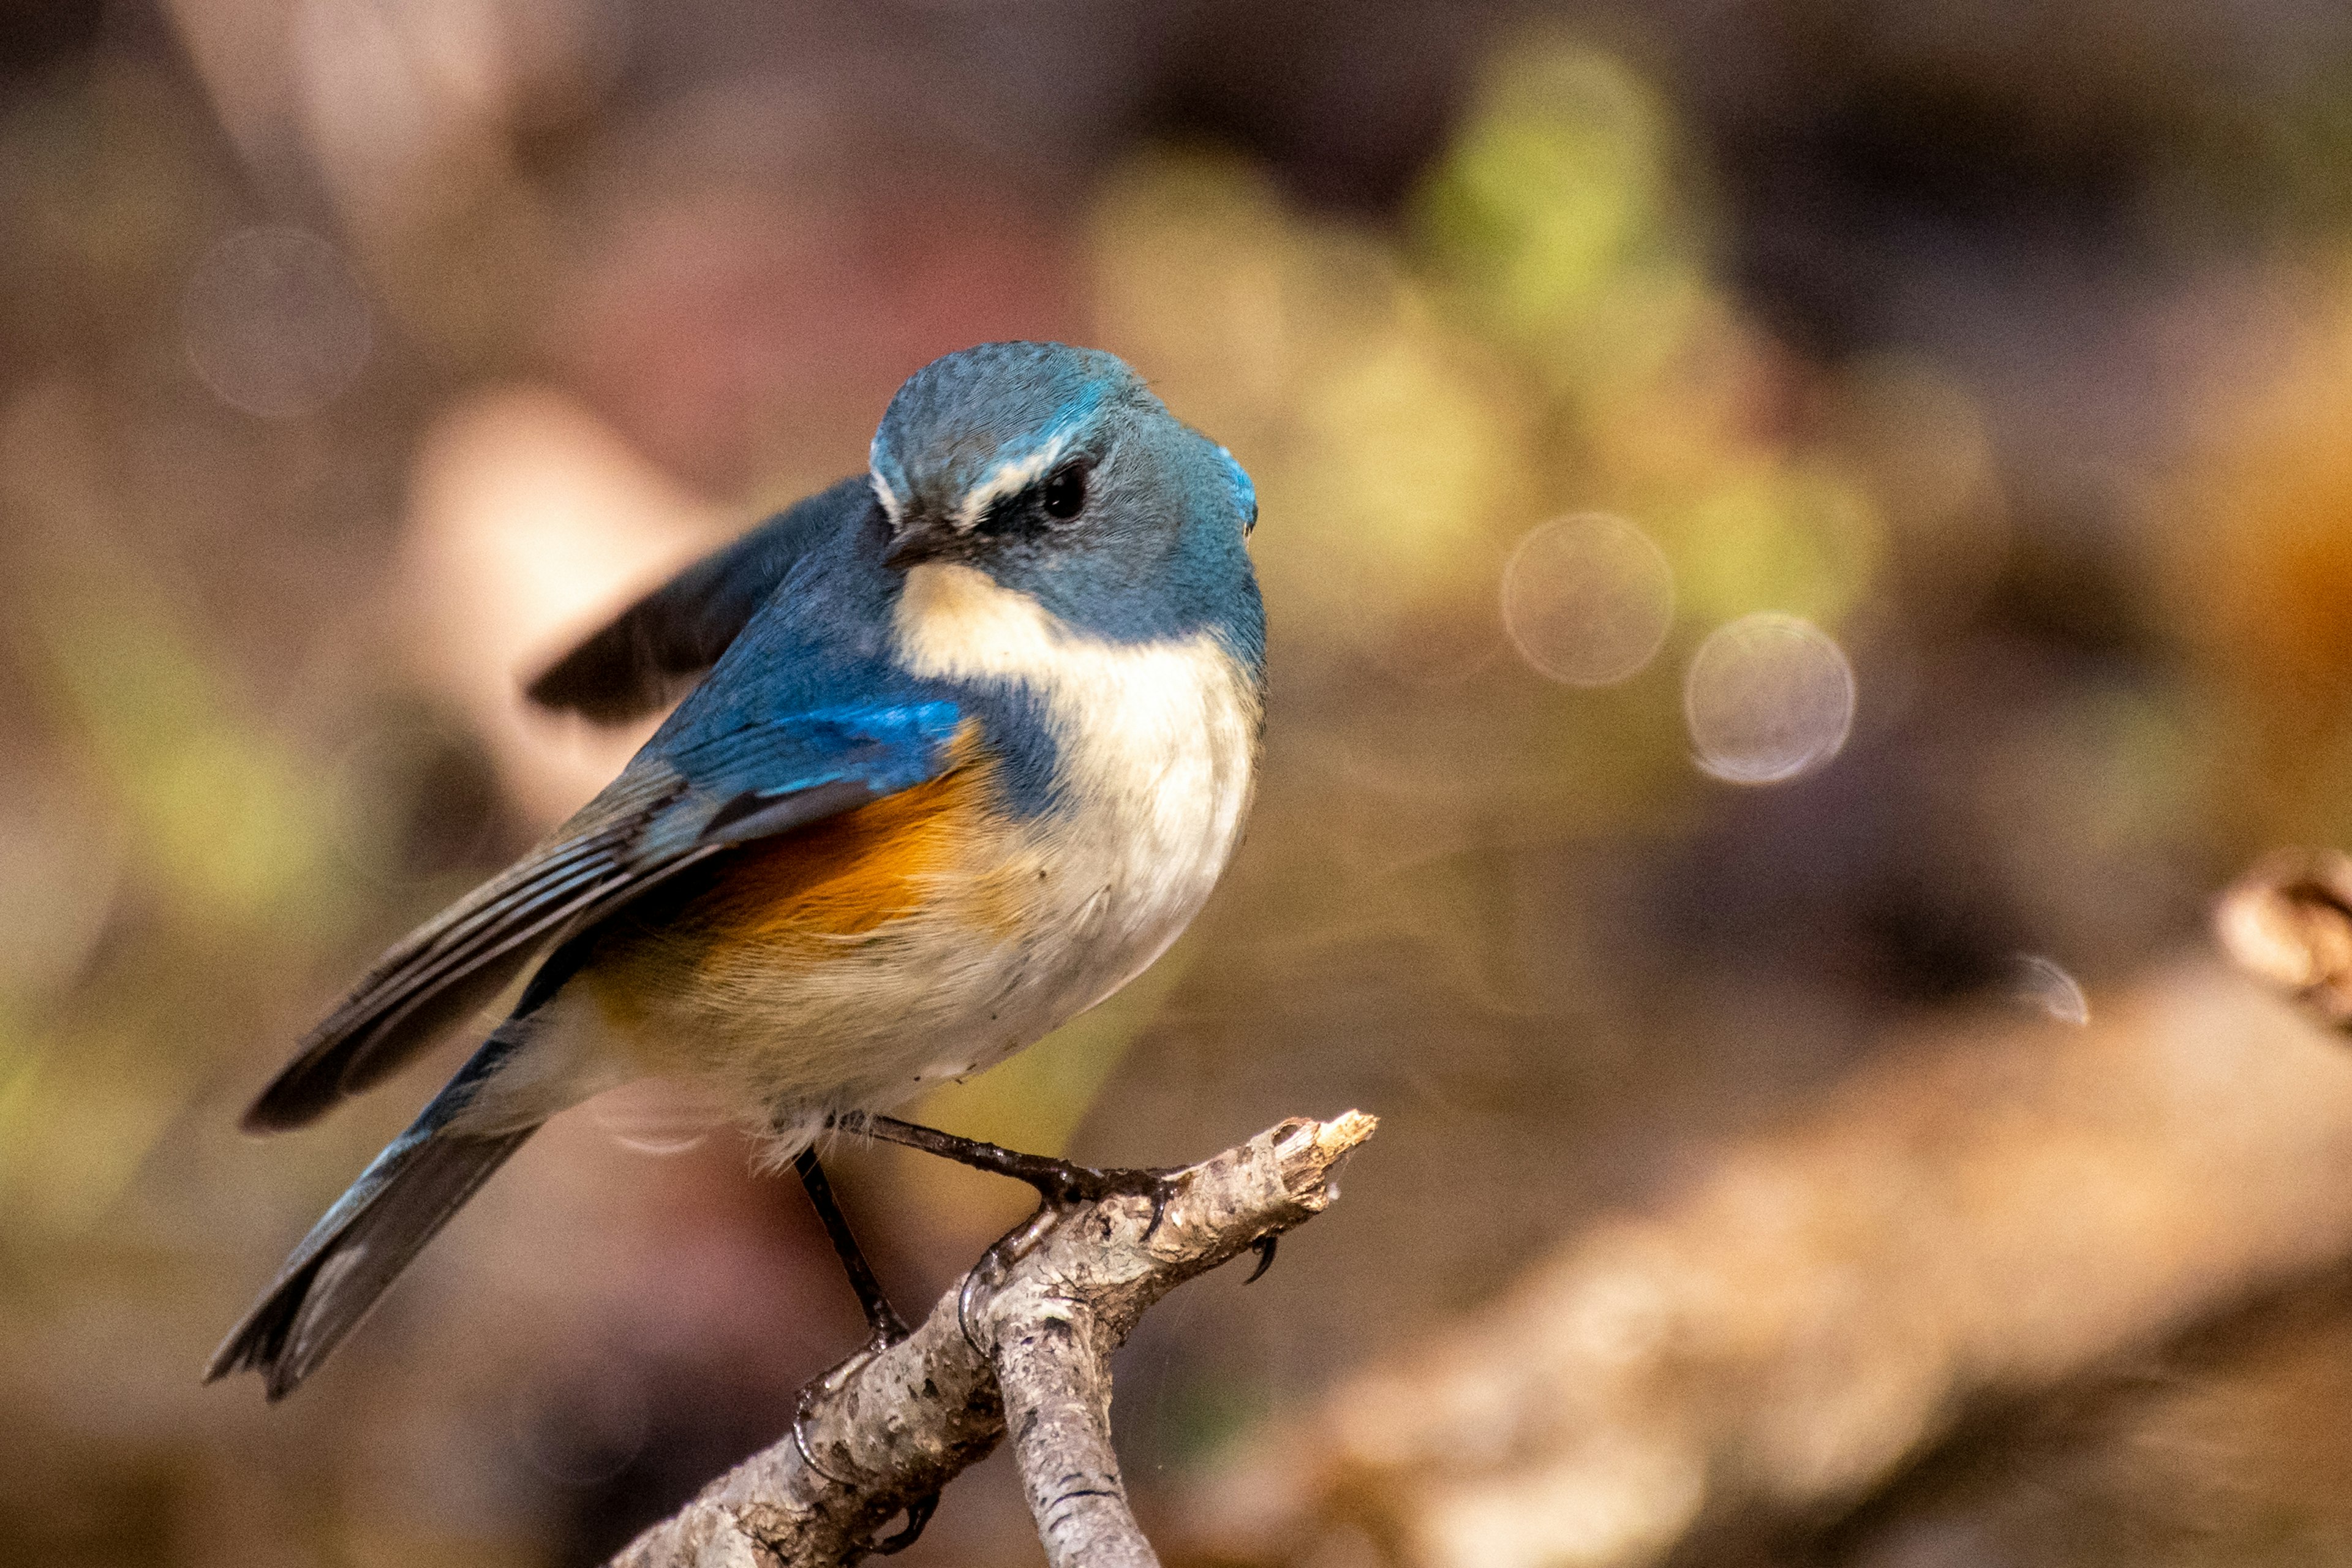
{"x": 652, "y": 652}
{"x": 297, "y": 1096}
{"x": 614, "y": 677}
{"x": 271, "y": 1113}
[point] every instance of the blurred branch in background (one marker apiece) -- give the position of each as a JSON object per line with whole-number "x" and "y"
{"x": 2289, "y": 921}
{"x": 1983, "y": 1227}
{"x": 1023, "y": 1347}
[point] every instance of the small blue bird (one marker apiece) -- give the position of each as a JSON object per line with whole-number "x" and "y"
{"x": 978, "y": 733}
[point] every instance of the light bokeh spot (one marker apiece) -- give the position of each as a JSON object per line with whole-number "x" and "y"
{"x": 1586, "y": 600}
{"x": 656, "y": 1117}
{"x": 2044, "y": 984}
{"x": 274, "y": 322}
{"x": 1768, "y": 698}
{"x": 583, "y": 1429}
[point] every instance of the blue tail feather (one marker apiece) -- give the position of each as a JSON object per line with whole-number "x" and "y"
{"x": 356, "y": 1250}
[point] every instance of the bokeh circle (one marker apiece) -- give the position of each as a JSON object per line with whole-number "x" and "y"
{"x": 1586, "y": 600}
{"x": 274, "y": 322}
{"x": 1768, "y": 697}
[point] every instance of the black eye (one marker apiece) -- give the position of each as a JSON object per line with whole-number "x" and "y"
{"x": 1066, "y": 492}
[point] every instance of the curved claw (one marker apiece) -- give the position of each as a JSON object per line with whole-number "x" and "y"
{"x": 1069, "y": 1185}
{"x": 919, "y": 1511}
{"x": 996, "y": 1263}
{"x": 1144, "y": 1183}
{"x": 800, "y": 1435}
{"x": 1264, "y": 1247}
{"x": 919, "y": 1514}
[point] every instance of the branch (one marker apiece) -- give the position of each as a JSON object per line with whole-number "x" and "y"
{"x": 889, "y": 1432}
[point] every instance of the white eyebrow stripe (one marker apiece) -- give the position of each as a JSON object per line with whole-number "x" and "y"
{"x": 892, "y": 507}
{"x": 1009, "y": 478}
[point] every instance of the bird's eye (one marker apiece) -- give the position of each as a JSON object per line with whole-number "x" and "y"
{"x": 1066, "y": 492}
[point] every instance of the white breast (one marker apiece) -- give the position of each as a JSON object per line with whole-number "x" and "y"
{"x": 1157, "y": 747}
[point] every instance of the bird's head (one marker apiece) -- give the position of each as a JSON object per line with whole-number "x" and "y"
{"x": 1056, "y": 473}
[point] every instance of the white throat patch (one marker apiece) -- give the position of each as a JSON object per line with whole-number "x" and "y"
{"x": 955, "y": 622}
{"x": 1155, "y": 748}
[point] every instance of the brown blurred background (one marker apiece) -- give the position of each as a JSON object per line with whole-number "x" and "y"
{"x": 1780, "y": 522}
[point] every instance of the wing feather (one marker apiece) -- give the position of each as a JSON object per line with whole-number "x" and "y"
{"x": 667, "y": 640}
{"x": 750, "y": 781}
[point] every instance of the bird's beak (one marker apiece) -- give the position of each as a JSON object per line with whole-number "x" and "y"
{"x": 921, "y": 539}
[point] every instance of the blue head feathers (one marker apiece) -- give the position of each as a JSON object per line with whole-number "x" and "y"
{"x": 1056, "y": 472}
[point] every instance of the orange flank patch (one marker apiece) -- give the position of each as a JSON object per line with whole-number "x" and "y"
{"x": 770, "y": 908}
{"x": 851, "y": 873}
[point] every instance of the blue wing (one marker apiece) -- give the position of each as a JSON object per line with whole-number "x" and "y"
{"x": 665, "y": 641}
{"x": 672, "y": 808}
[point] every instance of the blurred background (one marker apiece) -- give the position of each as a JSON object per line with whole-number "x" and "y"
{"x": 1786, "y": 527}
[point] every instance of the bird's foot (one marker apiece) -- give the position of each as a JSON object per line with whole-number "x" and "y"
{"x": 1061, "y": 1184}
{"x": 919, "y": 1514}
{"x": 919, "y": 1511}
{"x": 885, "y": 1329}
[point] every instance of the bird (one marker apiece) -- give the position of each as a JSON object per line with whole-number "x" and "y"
{"x": 960, "y": 745}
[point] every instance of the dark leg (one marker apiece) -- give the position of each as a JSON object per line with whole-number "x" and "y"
{"x": 1058, "y": 1182}
{"x": 887, "y": 1327}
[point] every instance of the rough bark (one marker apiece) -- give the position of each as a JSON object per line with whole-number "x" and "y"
{"x": 882, "y": 1434}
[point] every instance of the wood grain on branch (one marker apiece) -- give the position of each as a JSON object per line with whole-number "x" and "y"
{"x": 881, "y": 1435}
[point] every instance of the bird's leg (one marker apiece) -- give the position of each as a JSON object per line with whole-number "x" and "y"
{"x": 1060, "y": 1182}
{"x": 883, "y": 1326}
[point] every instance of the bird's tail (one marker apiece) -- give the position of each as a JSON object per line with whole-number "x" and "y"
{"x": 356, "y": 1251}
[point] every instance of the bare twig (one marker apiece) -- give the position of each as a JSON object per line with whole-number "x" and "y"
{"x": 882, "y": 1435}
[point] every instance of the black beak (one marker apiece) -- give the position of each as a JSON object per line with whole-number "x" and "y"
{"x": 920, "y": 539}
{"x": 912, "y": 548}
